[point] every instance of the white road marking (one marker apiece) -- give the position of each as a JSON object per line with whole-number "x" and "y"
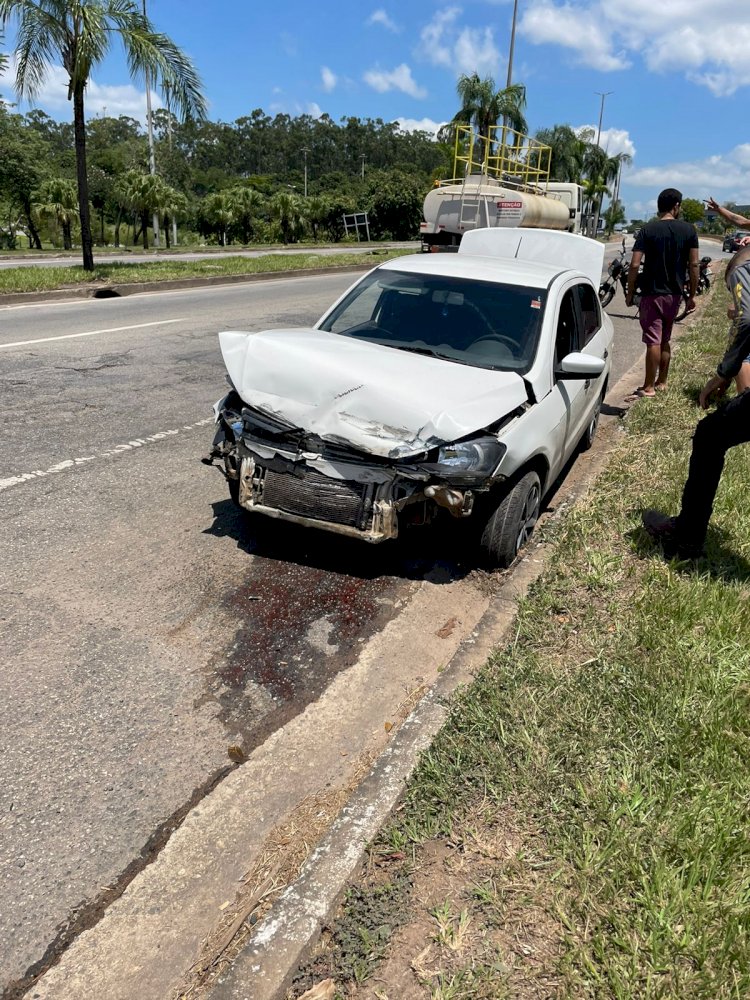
{"x": 92, "y": 333}
{"x": 71, "y": 463}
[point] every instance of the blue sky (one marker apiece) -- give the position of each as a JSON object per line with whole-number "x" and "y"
{"x": 676, "y": 72}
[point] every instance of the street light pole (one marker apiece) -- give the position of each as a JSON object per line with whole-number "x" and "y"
{"x": 151, "y": 157}
{"x": 601, "y": 112}
{"x": 598, "y": 138}
{"x": 509, "y": 80}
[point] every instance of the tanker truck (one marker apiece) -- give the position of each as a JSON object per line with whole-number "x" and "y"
{"x": 507, "y": 189}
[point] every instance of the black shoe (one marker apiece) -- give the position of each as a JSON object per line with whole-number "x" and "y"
{"x": 664, "y": 531}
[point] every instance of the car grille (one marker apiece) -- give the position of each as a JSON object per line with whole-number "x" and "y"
{"x": 319, "y": 497}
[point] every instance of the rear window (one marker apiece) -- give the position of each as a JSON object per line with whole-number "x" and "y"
{"x": 484, "y": 324}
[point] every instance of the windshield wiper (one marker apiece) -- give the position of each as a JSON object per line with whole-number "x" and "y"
{"x": 429, "y": 352}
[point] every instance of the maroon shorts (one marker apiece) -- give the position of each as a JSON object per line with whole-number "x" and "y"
{"x": 657, "y": 313}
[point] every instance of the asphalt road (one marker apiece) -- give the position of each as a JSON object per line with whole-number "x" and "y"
{"x": 146, "y": 625}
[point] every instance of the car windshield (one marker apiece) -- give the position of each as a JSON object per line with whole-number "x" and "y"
{"x": 480, "y": 323}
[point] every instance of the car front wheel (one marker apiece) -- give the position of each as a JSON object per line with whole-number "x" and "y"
{"x": 512, "y": 522}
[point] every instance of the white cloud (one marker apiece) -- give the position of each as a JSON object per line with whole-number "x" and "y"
{"x": 671, "y": 36}
{"x": 329, "y": 79}
{"x": 399, "y": 78}
{"x": 573, "y": 28}
{"x": 463, "y": 50}
{"x": 380, "y": 17}
{"x": 611, "y": 140}
{"x": 314, "y": 110}
{"x": 100, "y": 99}
{"x": 724, "y": 176}
{"x": 419, "y": 125}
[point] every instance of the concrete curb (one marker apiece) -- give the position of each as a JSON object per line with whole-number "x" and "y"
{"x": 282, "y": 941}
{"x": 136, "y": 288}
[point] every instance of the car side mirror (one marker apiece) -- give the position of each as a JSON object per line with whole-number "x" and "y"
{"x": 580, "y": 366}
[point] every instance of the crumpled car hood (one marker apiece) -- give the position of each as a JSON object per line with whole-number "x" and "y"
{"x": 376, "y": 399}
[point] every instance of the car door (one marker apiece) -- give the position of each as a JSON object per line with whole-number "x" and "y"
{"x": 594, "y": 340}
{"x": 571, "y": 393}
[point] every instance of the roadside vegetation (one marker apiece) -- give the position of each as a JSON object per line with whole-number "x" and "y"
{"x": 580, "y": 826}
{"x": 38, "y": 279}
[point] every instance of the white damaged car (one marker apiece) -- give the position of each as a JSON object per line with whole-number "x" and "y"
{"x": 458, "y": 383}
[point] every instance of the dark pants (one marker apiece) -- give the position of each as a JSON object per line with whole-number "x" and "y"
{"x": 714, "y": 435}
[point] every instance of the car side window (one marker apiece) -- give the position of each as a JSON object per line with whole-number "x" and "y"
{"x": 566, "y": 338}
{"x": 590, "y": 313}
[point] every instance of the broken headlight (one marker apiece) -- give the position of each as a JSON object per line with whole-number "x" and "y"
{"x": 475, "y": 459}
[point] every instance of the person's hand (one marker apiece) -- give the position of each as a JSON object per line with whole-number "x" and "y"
{"x": 628, "y": 298}
{"x": 690, "y": 303}
{"x": 713, "y": 204}
{"x": 717, "y": 385}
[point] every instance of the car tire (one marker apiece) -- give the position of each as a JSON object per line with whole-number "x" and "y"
{"x": 590, "y": 433}
{"x": 510, "y": 525}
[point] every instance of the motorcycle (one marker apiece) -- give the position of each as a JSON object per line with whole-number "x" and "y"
{"x": 704, "y": 283}
{"x": 617, "y": 272}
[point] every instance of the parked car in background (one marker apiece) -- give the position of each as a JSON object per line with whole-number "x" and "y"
{"x": 438, "y": 386}
{"x": 734, "y": 241}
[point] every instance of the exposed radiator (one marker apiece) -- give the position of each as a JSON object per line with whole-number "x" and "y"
{"x": 318, "y": 497}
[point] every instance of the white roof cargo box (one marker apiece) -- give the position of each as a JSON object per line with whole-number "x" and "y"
{"x": 546, "y": 246}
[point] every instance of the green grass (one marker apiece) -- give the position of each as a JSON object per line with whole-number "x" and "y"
{"x": 35, "y": 279}
{"x": 616, "y": 731}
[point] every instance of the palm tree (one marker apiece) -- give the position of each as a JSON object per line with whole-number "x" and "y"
{"x": 79, "y": 34}
{"x": 143, "y": 194}
{"x": 568, "y": 151}
{"x": 57, "y": 197}
{"x": 601, "y": 171}
{"x": 287, "y": 209}
{"x": 483, "y": 106}
{"x": 218, "y": 213}
{"x": 247, "y": 204}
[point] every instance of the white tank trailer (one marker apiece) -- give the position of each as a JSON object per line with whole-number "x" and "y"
{"x": 483, "y": 202}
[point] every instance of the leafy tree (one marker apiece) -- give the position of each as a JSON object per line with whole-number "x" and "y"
{"x": 23, "y": 167}
{"x": 394, "y": 204}
{"x": 79, "y": 33}
{"x": 693, "y": 210}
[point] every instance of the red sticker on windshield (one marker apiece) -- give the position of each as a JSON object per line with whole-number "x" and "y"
{"x": 536, "y": 303}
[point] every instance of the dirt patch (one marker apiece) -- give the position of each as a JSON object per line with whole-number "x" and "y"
{"x": 468, "y": 919}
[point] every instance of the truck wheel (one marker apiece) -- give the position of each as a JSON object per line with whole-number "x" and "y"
{"x": 511, "y": 524}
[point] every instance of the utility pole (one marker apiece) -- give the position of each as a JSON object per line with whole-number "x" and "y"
{"x": 151, "y": 157}
{"x": 305, "y": 150}
{"x": 362, "y": 157}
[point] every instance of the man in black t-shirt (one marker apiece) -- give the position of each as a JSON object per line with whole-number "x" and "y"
{"x": 668, "y": 248}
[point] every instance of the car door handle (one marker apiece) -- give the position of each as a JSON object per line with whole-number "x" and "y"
{"x": 606, "y": 355}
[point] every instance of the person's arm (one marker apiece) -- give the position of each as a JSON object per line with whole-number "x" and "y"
{"x": 693, "y": 273}
{"x": 738, "y": 220}
{"x": 635, "y": 263}
{"x": 736, "y": 353}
